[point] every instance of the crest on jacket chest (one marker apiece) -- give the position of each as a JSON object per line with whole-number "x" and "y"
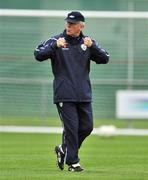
{"x": 83, "y": 47}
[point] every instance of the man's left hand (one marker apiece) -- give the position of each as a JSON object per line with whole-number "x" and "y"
{"x": 87, "y": 41}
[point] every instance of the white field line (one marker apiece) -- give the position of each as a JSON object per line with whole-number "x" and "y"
{"x": 58, "y": 130}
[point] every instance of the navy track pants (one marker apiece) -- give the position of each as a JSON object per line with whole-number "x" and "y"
{"x": 77, "y": 122}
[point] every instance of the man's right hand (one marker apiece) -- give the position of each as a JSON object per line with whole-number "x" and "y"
{"x": 61, "y": 42}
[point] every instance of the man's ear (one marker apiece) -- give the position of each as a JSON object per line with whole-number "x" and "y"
{"x": 82, "y": 26}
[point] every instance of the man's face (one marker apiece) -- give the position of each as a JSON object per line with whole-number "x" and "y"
{"x": 74, "y": 29}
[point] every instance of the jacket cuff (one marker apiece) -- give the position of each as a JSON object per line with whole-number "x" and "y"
{"x": 93, "y": 46}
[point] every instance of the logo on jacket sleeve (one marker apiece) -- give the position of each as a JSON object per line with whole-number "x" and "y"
{"x": 84, "y": 47}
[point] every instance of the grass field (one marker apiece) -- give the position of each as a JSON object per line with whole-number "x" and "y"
{"x": 31, "y": 156}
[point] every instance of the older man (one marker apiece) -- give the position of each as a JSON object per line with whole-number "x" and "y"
{"x": 70, "y": 53}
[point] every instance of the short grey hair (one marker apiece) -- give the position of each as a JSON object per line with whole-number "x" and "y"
{"x": 81, "y": 22}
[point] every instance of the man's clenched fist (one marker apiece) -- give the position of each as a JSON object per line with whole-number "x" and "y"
{"x": 61, "y": 42}
{"x": 87, "y": 41}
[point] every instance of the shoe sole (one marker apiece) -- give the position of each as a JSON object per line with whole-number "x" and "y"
{"x": 72, "y": 170}
{"x": 77, "y": 169}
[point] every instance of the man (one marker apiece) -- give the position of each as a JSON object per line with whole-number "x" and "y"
{"x": 70, "y": 53}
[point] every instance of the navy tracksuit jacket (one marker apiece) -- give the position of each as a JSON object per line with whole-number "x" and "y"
{"x": 72, "y": 88}
{"x": 71, "y": 66}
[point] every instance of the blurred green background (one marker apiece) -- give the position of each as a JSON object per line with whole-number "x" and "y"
{"x": 26, "y": 85}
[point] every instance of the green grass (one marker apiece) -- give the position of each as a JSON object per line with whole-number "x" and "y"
{"x": 31, "y": 156}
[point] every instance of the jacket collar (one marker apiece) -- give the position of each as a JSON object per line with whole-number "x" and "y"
{"x": 73, "y": 40}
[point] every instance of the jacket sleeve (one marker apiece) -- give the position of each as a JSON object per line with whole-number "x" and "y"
{"x": 98, "y": 54}
{"x": 45, "y": 50}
